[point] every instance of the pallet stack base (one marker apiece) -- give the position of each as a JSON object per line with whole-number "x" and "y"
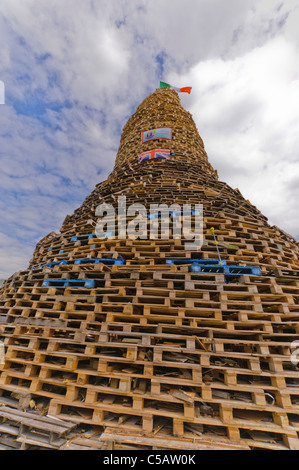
{"x": 142, "y": 343}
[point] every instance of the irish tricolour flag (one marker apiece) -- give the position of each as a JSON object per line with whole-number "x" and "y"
{"x": 186, "y": 89}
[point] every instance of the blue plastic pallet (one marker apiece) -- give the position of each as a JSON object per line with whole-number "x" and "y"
{"x": 104, "y": 235}
{"x": 66, "y": 282}
{"x": 85, "y": 236}
{"x": 50, "y": 265}
{"x": 193, "y": 261}
{"x": 89, "y": 236}
{"x": 209, "y": 268}
{"x": 107, "y": 261}
{"x": 226, "y": 270}
{"x": 214, "y": 266}
{"x": 240, "y": 270}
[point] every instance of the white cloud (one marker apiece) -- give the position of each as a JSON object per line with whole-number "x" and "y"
{"x": 19, "y": 254}
{"x": 89, "y": 64}
{"x": 247, "y": 113}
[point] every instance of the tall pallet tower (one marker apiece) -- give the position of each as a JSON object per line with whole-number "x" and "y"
{"x": 157, "y": 346}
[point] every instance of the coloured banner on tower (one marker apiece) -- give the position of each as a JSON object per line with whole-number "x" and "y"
{"x": 156, "y": 153}
{"x": 161, "y": 133}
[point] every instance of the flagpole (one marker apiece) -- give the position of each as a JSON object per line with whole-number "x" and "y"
{"x": 216, "y": 244}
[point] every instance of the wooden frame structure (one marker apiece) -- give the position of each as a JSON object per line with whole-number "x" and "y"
{"x": 154, "y": 355}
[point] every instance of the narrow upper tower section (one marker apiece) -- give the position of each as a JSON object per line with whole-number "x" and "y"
{"x": 163, "y": 109}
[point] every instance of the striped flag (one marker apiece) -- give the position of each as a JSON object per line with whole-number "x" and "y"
{"x": 186, "y": 89}
{"x": 156, "y": 153}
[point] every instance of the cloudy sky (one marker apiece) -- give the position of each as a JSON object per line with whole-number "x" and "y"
{"x": 75, "y": 70}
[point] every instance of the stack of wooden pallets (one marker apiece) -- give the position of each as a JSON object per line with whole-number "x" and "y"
{"x": 125, "y": 336}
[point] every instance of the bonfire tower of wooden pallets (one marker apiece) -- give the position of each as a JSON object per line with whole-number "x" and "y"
{"x": 154, "y": 345}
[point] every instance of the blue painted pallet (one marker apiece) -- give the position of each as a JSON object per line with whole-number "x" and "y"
{"x": 68, "y": 283}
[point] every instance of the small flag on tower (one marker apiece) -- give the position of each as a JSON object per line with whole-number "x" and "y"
{"x": 186, "y": 89}
{"x": 156, "y": 153}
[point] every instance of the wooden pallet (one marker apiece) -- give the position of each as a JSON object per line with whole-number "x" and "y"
{"x": 29, "y": 429}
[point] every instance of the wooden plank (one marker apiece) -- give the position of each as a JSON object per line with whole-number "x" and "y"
{"x": 171, "y": 443}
